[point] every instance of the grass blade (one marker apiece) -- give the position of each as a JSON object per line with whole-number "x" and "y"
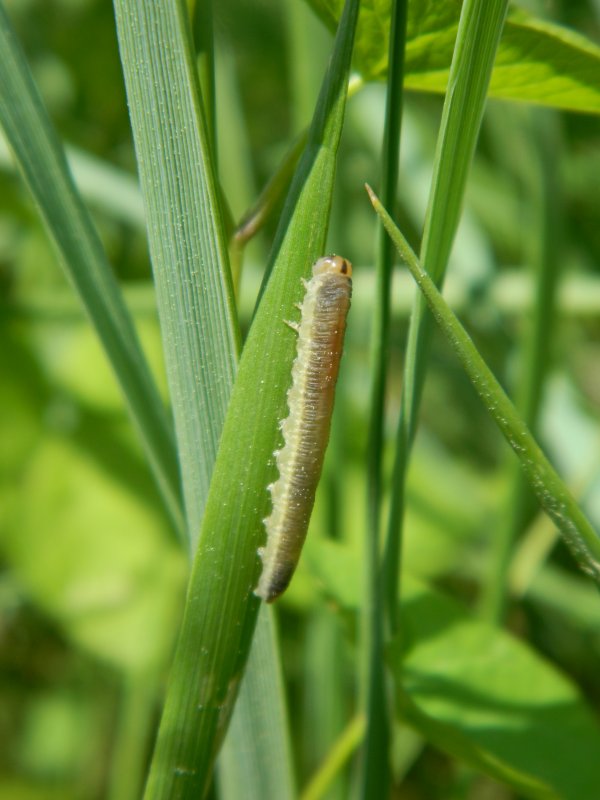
{"x": 247, "y": 770}
{"x": 476, "y": 43}
{"x": 176, "y": 159}
{"x": 552, "y": 493}
{"x": 546, "y": 257}
{"x": 375, "y": 774}
{"x": 187, "y": 243}
{"x": 221, "y": 610}
{"x": 42, "y": 162}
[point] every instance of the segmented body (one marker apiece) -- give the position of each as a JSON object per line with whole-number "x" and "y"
{"x": 306, "y": 428}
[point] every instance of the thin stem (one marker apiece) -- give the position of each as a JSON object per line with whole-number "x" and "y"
{"x": 375, "y": 776}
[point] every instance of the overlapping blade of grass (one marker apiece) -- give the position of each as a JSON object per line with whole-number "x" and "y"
{"x": 221, "y": 611}
{"x": 195, "y": 301}
{"x": 187, "y": 243}
{"x": 552, "y": 493}
{"x": 42, "y": 161}
{"x": 244, "y": 770}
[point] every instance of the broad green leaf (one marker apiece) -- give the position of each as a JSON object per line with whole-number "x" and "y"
{"x": 221, "y": 610}
{"x": 477, "y": 692}
{"x": 537, "y": 61}
{"x": 484, "y": 697}
{"x": 93, "y": 552}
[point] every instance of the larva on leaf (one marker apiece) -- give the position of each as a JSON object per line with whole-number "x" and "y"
{"x": 306, "y": 428}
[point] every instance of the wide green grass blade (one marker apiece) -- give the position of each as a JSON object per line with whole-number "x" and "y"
{"x": 42, "y": 162}
{"x": 187, "y": 243}
{"x": 194, "y": 294}
{"x": 552, "y": 493}
{"x": 247, "y": 770}
{"x": 221, "y": 611}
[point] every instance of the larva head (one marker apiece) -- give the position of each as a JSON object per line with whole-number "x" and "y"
{"x": 332, "y": 265}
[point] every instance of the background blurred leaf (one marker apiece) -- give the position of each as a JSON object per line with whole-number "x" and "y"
{"x": 104, "y": 567}
{"x": 538, "y": 61}
{"x": 41, "y": 159}
{"x": 477, "y": 692}
{"x": 516, "y": 716}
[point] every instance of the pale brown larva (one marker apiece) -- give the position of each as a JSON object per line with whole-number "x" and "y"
{"x": 306, "y": 428}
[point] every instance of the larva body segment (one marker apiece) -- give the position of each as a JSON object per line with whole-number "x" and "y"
{"x": 306, "y": 428}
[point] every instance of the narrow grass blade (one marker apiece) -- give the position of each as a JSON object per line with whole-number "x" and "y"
{"x": 340, "y": 753}
{"x": 478, "y": 35}
{"x": 545, "y": 256}
{"x": 552, "y": 493}
{"x": 42, "y": 162}
{"x": 376, "y": 765}
{"x": 221, "y": 611}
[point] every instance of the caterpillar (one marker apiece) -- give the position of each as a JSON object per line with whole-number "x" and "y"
{"x": 306, "y": 428}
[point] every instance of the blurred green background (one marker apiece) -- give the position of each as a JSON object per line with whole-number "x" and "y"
{"x": 92, "y": 580}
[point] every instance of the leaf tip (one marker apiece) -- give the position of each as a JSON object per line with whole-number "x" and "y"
{"x": 372, "y": 196}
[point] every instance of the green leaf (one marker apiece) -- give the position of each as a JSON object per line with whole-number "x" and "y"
{"x": 41, "y": 159}
{"x": 93, "y": 552}
{"x": 551, "y": 492}
{"x": 484, "y": 697}
{"x": 221, "y": 610}
{"x": 537, "y": 61}
{"x": 475, "y": 691}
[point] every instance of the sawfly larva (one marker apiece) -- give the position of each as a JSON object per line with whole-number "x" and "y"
{"x": 306, "y": 428}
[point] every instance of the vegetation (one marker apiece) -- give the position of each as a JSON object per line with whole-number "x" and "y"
{"x": 439, "y": 640}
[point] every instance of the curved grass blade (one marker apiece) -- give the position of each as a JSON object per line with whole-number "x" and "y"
{"x": 221, "y": 611}
{"x": 552, "y": 493}
{"x": 42, "y": 161}
{"x": 545, "y": 255}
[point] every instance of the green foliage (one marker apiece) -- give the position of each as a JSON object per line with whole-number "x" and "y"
{"x": 537, "y": 62}
{"x": 486, "y": 640}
